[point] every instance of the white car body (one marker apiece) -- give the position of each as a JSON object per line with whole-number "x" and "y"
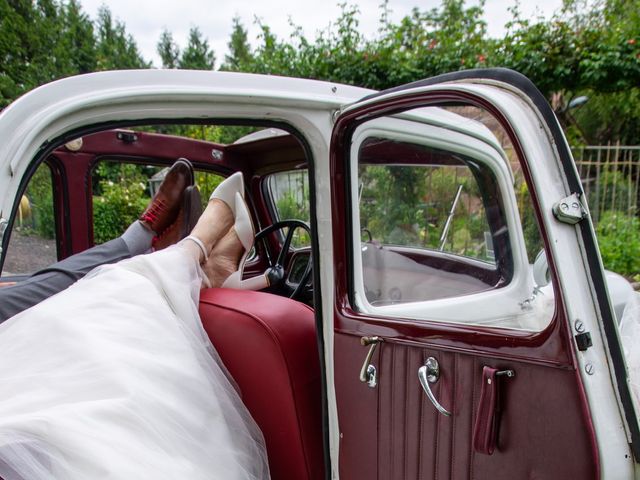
{"x": 59, "y": 110}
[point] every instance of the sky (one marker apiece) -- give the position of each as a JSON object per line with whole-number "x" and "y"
{"x": 145, "y": 19}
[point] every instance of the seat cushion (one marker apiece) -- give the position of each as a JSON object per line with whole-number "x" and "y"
{"x": 268, "y": 343}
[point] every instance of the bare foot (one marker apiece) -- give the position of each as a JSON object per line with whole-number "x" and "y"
{"x": 224, "y": 259}
{"x": 214, "y": 223}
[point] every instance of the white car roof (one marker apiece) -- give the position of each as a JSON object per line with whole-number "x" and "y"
{"x": 63, "y": 105}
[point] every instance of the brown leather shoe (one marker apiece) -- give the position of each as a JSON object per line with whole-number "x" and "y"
{"x": 165, "y": 204}
{"x": 187, "y": 218}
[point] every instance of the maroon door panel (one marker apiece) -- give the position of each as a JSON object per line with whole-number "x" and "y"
{"x": 540, "y": 432}
{"x": 538, "y": 419}
{"x": 357, "y": 406}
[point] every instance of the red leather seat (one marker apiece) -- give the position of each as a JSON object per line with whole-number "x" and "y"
{"x": 268, "y": 343}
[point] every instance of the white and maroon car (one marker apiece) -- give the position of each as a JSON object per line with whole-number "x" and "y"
{"x": 424, "y": 338}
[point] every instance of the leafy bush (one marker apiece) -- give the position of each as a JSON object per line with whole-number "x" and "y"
{"x": 532, "y": 239}
{"x": 207, "y": 183}
{"x": 615, "y": 191}
{"x": 619, "y": 240}
{"x": 292, "y": 206}
{"x": 40, "y": 195}
{"x": 119, "y": 205}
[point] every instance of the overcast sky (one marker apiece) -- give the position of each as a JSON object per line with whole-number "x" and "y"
{"x": 145, "y": 19}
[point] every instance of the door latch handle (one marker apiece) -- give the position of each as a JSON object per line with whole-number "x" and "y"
{"x": 368, "y": 372}
{"x": 427, "y": 374}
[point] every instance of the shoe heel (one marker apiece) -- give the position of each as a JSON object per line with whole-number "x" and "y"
{"x": 254, "y": 283}
{"x": 244, "y": 225}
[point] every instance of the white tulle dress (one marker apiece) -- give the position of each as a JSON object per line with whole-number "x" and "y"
{"x": 115, "y": 378}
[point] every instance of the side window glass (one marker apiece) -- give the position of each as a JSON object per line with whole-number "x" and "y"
{"x": 121, "y": 191}
{"x": 290, "y": 196}
{"x": 442, "y": 223}
{"x": 32, "y": 245}
{"x": 435, "y": 207}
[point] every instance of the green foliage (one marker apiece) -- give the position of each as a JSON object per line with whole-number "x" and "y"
{"x": 610, "y": 117}
{"x": 290, "y": 190}
{"x": 614, "y": 192}
{"x": 115, "y": 48}
{"x": 619, "y": 241}
{"x": 168, "y": 50}
{"x": 207, "y": 182}
{"x": 197, "y": 55}
{"x": 585, "y": 49}
{"x": 580, "y": 50}
{"x": 120, "y": 200}
{"x": 292, "y": 206}
{"x": 223, "y": 134}
{"x": 43, "y": 40}
{"x": 239, "y": 48}
{"x": 410, "y": 205}
{"x": 528, "y": 220}
{"x": 40, "y": 195}
{"x": 572, "y": 51}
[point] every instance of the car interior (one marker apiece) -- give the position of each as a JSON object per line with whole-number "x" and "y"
{"x": 73, "y": 195}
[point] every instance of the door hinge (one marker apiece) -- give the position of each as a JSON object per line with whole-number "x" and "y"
{"x": 570, "y": 209}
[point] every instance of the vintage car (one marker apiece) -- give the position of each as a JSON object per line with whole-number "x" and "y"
{"x": 438, "y": 309}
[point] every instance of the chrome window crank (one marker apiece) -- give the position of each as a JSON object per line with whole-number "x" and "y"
{"x": 430, "y": 373}
{"x": 368, "y": 372}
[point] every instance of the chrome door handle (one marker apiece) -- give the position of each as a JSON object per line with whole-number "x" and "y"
{"x": 430, "y": 373}
{"x": 368, "y": 372}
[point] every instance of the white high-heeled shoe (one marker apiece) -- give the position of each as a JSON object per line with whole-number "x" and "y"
{"x": 246, "y": 233}
{"x": 227, "y": 189}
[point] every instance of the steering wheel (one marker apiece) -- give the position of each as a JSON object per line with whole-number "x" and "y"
{"x": 276, "y": 270}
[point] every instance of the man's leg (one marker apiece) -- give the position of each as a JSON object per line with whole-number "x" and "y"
{"x": 164, "y": 209}
{"x": 59, "y": 276}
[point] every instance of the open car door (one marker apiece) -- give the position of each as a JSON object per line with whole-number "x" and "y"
{"x": 453, "y": 355}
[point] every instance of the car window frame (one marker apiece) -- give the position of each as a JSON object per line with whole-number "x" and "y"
{"x": 60, "y": 205}
{"x": 504, "y": 179}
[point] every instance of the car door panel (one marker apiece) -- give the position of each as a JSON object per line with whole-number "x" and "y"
{"x": 547, "y": 427}
{"x": 357, "y": 411}
{"x": 412, "y": 440}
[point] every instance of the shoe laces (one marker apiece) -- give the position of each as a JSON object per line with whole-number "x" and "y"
{"x": 156, "y": 209}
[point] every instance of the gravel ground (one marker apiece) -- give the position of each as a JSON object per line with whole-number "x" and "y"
{"x": 28, "y": 254}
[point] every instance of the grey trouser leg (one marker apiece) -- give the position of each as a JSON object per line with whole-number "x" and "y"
{"x": 58, "y": 276}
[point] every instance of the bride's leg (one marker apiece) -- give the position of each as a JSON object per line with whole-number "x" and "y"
{"x": 224, "y": 259}
{"x": 213, "y": 225}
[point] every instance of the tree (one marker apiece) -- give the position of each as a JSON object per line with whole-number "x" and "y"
{"x": 78, "y": 38}
{"x": 41, "y": 41}
{"x": 17, "y": 42}
{"x": 115, "y": 48}
{"x": 168, "y": 50}
{"x": 239, "y": 49}
{"x": 197, "y": 55}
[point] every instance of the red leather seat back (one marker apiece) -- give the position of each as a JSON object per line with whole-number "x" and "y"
{"x": 268, "y": 343}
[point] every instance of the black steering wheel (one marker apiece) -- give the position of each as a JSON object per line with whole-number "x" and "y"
{"x": 276, "y": 270}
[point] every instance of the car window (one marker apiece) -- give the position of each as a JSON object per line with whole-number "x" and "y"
{"x": 434, "y": 207}
{"x": 424, "y": 228}
{"x": 435, "y": 227}
{"x": 32, "y": 245}
{"x": 121, "y": 191}
{"x": 289, "y": 193}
